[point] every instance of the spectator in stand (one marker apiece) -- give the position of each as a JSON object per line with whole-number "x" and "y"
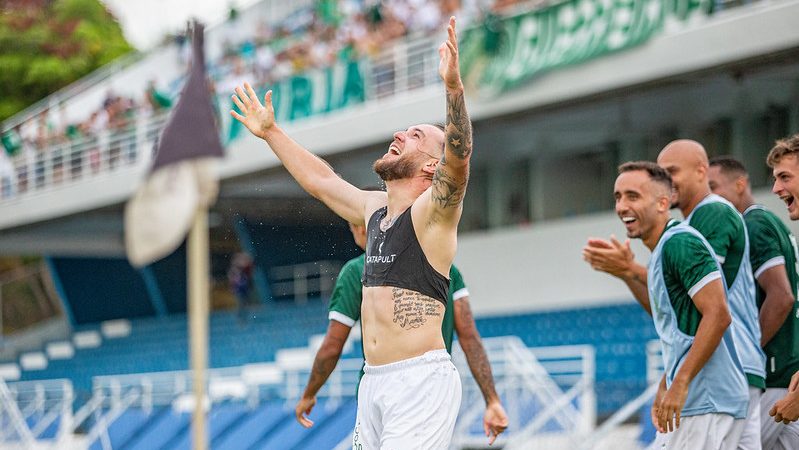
{"x": 6, "y": 176}
{"x": 157, "y": 100}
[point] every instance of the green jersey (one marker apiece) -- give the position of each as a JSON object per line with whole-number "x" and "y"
{"x": 725, "y": 230}
{"x": 682, "y": 264}
{"x": 687, "y": 267}
{"x": 771, "y": 245}
{"x": 345, "y": 302}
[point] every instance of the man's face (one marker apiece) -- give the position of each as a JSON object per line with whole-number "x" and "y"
{"x": 637, "y": 202}
{"x": 685, "y": 177}
{"x": 409, "y": 152}
{"x": 723, "y": 184}
{"x": 786, "y": 183}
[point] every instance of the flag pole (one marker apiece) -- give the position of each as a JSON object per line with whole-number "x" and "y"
{"x": 198, "y": 270}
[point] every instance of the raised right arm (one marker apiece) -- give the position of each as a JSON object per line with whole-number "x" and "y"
{"x": 311, "y": 172}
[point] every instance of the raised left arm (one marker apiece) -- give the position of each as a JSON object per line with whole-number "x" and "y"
{"x": 452, "y": 173}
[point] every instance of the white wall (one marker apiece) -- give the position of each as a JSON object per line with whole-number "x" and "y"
{"x": 540, "y": 267}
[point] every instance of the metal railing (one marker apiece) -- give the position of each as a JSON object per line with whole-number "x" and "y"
{"x": 403, "y": 67}
{"x": 34, "y": 407}
{"x": 35, "y": 172}
{"x": 556, "y": 382}
{"x": 299, "y": 281}
{"x": 603, "y": 435}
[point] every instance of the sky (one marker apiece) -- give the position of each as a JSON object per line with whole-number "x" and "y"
{"x": 145, "y": 22}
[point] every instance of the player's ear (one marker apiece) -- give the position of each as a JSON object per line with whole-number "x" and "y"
{"x": 664, "y": 201}
{"x": 430, "y": 167}
{"x": 740, "y": 185}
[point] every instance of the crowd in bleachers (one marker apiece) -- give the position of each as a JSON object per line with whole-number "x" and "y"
{"x": 51, "y": 147}
{"x": 52, "y": 144}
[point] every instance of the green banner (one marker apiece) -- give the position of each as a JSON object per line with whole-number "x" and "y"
{"x": 312, "y": 93}
{"x": 504, "y": 52}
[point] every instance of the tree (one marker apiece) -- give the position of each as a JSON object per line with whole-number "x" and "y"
{"x": 48, "y": 44}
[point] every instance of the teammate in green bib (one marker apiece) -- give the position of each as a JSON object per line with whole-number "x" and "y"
{"x": 774, "y": 256}
{"x": 702, "y": 399}
{"x": 723, "y": 227}
{"x": 345, "y": 310}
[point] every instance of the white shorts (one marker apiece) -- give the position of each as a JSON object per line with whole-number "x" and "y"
{"x": 409, "y": 404}
{"x": 750, "y": 437}
{"x": 776, "y": 435}
{"x": 705, "y": 432}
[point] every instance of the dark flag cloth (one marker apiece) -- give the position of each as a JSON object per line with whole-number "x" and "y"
{"x": 182, "y": 178}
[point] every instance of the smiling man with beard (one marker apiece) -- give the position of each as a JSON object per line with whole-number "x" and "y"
{"x": 723, "y": 226}
{"x": 410, "y": 394}
{"x": 702, "y": 399}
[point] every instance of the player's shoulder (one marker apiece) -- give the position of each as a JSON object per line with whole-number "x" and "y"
{"x": 454, "y": 272}
{"x": 683, "y": 240}
{"x": 716, "y": 208}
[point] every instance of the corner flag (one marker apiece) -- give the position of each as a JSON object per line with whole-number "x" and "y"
{"x": 181, "y": 179}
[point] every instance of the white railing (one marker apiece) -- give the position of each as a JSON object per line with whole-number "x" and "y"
{"x": 548, "y": 393}
{"x": 90, "y": 157}
{"x": 274, "y": 10}
{"x": 301, "y": 280}
{"x": 557, "y": 383}
{"x": 33, "y": 407}
{"x": 607, "y": 436}
{"x": 403, "y": 67}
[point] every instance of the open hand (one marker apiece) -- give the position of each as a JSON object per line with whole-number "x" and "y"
{"x": 448, "y": 66}
{"x": 257, "y": 118}
{"x": 611, "y": 256}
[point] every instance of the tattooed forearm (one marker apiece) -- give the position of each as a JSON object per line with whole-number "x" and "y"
{"x": 447, "y": 191}
{"x": 479, "y": 366}
{"x": 412, "y": 309}
{"x": 459, "y": 127}
{"x": 469, "y": 339}
{"x": 323, "y": 366}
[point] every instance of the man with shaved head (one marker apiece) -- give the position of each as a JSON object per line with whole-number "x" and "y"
{"x": 410, "y": 394}
{"x": 773, "y": 255}
{"x": 702, "y": 397}
{"x": 720, "y": 223}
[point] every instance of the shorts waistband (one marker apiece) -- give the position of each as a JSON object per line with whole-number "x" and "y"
{"x": 433, "y": 356}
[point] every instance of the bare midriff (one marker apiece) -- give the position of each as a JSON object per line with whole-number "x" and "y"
{"x": 399, "y": 324}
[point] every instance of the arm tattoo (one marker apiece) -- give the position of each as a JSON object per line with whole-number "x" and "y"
{"x": 448, "y": 189}
{"x": 476, "y": 356}
{"x": 459, "y": 127}
{"x": 447, "y": 192}
{"x": 323, "y": 366}
{"x": 411, "y": 309}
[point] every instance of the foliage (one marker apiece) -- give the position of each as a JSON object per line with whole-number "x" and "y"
{"x": 48, "y": 44}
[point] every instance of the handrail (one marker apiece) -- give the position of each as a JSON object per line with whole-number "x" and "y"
{"x": 17, "y": 421}
{"x": 63, "y": 163}
{"x": 620, "y": 416}
{"x": 278, "y": 10}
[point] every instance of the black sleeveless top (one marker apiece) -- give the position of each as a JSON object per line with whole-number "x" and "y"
{"x": 395, "y": 258}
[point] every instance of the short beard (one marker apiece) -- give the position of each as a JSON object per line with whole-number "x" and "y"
{"x": 397, "y": 169}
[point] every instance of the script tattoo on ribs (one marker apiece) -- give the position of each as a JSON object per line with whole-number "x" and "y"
{"x": 412, "y": 309}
